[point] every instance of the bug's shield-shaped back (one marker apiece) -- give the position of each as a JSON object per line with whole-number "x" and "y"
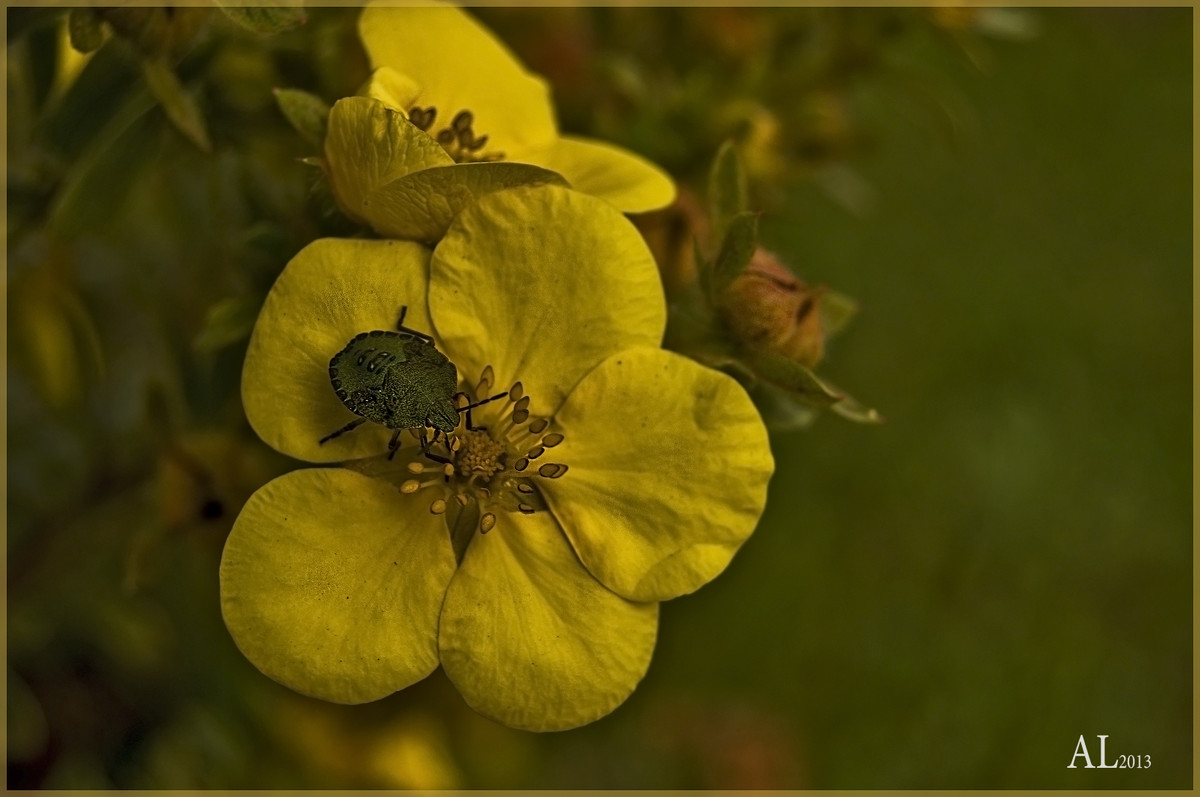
{"x": 396, "y": 380}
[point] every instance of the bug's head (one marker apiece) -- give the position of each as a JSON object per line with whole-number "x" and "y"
{"x": 443, "y": 416}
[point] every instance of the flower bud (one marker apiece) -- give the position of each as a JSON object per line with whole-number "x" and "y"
{"x": 769, "y": 310}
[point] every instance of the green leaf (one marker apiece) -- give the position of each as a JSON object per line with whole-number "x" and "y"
{"x": 794, "y": 378}
{"x": 267, "y": 18}
{"x": 179, "y": 106}
{"x": 228, "y": 321}
{"x": 728, "y": 194}
{"x": 87, "y": 34}
{"x": 308, "y": 113}
{"x": 737, "y": 247}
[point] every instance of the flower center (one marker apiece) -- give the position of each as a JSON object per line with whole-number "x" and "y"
{"x": 458, "y": 139}
{"x": 482, "y": 469}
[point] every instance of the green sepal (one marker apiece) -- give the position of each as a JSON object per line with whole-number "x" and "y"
{"x": 179, "y": 106}
{"x": 85, "y": 29}
{"x": 227, "y": 321}
{"x": 728, "y": 194}
{"x": 793, "y": 377}
{"x": 853, "y": 410}
{"x": 308, "y": 113}
{"x": 737, "y": 247}
{"x": 837, "y": 310}
{"x": 782, "y": 411}
{"x": 266, "y": 19}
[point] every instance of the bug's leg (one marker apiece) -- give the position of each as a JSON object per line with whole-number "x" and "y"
{"x": 354, "y": 424}
{"x": 401, "y": 328}
{"x": 394, "y": 444}
{"x": 467, "y": 409}
{"x": 426, "y": 443}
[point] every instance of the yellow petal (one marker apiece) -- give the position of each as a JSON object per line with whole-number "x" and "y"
{"x": 531, "y": 639}
{"x": 459, "y": 65}
{"x": 331, "y": 291}
{"x": 369, "y": 145}
{"x": 421, "y": 205}
{"x": 669, "y": 463}
{"x": 543, "y": 283}
{"x": 393, "y": 89}
{"x": 632, "y": 183}
{"x": 331, "y": 584}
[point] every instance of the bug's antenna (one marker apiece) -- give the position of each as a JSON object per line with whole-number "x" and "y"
{"x": 467, "y": 409}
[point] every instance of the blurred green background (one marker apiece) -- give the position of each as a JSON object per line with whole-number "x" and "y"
{"x": 947, "y": 600}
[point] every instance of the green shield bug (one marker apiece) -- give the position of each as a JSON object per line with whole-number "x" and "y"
{"x": 397, "y": 379}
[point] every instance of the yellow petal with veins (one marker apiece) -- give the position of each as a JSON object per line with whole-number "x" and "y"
{"x": 368, "y": 145}
{"x": 630, "y": 182}
{"x": 669, "y": 463}
{"x": 329, "y": 292}
{"x": 459, "y": 65}
{"x": 499, "y": 295}
{"x": 531, "y": 639}
{"x": 332, "y": 582}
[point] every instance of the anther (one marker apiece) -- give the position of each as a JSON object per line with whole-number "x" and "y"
{"x": 416, "y": 467}
{"x": 445, "y": 137}
{"x": 462, "y": 499}
{"x": 437, "y": 507}
{"x": 551, "y": 440}
{"x": 486, "y": 523}
{"x": 516, "y": 392}
{"x": 552, "y": 470}
{"x": 538, "y": 426}
{"x": 448, "y": 469}
{"x": 462, "y": 121}
{"x": 526, "y": 509}
{"x": 521, "y": 464}
{"x": 485, "y": 381}
{"x": 536, "y": 452}
{"x": 525, "y": 488}
{"x": 410, "y": 486}
{"x": 520, "y": 416}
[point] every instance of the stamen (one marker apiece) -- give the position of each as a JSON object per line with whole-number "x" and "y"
{"x": 551, "y": 440}
{"x": 437, "y": 507}
{"x": 552, "y": 470}
{"x": 410, "y": 486}
{"x": 516, "y": 392}
{"x": 416, "y": 467}
{"x": 538, "y": 426}
{"x": 487, "y": 523}
{"x": 536, "y": 452}
{"x": 525, "y": 509}
{"x": 525, "y": 488}
{"x": 521, "y": 464}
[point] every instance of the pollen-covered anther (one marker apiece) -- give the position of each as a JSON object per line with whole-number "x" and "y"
{"x": 437, "y": 507}
{"x": 410, "y": 486}
{"x": 478, "y": 454}
{"x": 416, "y": 467}
{"x": 487, "y": 522}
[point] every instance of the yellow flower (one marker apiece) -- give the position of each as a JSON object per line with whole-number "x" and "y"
{"x": 449, "y": 115}
{"x": 526, "y": 555}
